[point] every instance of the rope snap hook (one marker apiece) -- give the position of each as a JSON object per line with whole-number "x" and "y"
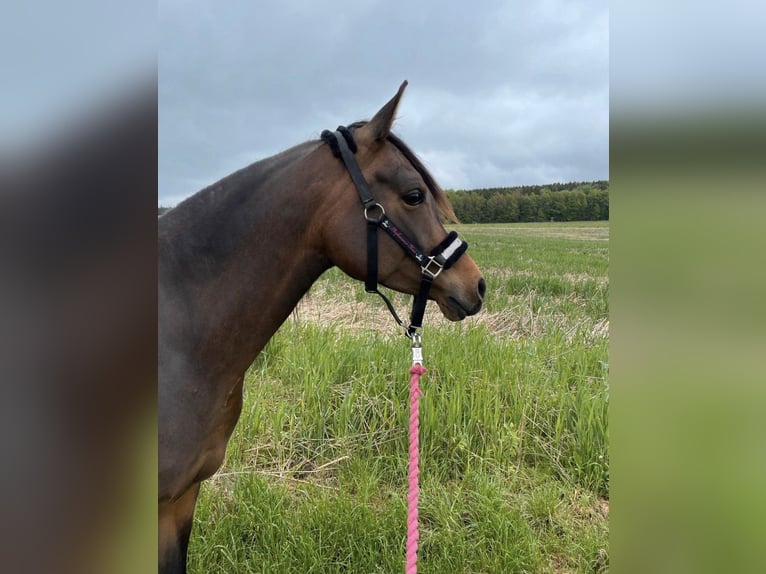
{"x": 417, "y": 350}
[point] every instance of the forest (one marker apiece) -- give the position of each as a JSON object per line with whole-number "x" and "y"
{"x": 576, "y": 201}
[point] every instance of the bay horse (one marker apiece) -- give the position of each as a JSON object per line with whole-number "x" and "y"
{"x": 235, "y": 258}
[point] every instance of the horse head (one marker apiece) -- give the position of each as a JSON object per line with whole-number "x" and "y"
{"x": 409, "y": 197}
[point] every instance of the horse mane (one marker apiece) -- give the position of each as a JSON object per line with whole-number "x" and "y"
{"x": 442, "y": 201}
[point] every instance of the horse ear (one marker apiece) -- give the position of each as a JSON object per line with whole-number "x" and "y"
{"x": 378, "y": 128}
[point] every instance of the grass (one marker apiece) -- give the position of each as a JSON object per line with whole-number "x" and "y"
{"x": 514, "y": 436}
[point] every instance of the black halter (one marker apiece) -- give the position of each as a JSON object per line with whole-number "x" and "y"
{"x": 443, "y": 256}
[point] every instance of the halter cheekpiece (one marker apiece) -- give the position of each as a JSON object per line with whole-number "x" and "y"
{"x": 443, "y": 256}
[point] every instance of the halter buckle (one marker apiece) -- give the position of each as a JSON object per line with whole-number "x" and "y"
{"x": 371, "y": 219}
{"x": 427, "y": 270}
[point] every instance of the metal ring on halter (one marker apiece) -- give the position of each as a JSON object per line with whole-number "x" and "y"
{"x": 375, "y": 219}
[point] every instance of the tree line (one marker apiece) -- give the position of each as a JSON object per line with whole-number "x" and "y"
{"x": 576, "y": 201}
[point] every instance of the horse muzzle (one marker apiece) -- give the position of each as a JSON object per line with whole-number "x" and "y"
{"x": 456, "y": 304}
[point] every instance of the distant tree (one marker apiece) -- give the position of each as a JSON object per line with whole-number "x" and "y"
{"x": 475, "y": 211}
{"x": 557, "y": 206}
{"x": 600, "y": 200}
{"x": 528, "y": 205}
{"x": 503, "y": 207}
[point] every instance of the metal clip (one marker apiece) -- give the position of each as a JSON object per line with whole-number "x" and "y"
{"x": 417, "y": 350}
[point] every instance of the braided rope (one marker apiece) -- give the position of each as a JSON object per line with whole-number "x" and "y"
{"x": 414, "y": 471}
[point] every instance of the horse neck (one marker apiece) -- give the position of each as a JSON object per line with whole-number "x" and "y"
{"x": 269, "y": 259}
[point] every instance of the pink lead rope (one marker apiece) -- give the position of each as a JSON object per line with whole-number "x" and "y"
{"x": 412, "y": 497}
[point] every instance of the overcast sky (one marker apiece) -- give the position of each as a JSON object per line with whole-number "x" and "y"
{"x": 500, "y": 93}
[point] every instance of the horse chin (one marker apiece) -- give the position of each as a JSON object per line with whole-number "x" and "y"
{"x": 452, "y": 309}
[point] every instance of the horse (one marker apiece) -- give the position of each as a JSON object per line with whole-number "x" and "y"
{"x": 235, "y": 259}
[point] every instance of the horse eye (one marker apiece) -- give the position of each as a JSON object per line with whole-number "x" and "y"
{"x": 414, "y": 197}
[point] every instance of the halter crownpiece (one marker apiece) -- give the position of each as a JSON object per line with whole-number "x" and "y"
{"x": 443, "y": 256}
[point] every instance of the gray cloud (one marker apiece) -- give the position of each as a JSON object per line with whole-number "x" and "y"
{"x": 501, "y": 93}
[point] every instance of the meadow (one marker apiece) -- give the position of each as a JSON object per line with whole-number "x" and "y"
{"x": 514, "y": 431}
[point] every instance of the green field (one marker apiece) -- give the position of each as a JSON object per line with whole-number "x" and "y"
{"x": 514, "y": 435}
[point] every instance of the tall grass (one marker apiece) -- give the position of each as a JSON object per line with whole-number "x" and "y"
{"x": 514, "y": 436}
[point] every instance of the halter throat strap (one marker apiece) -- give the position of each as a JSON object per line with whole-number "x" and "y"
{"x": 443, "y": 256}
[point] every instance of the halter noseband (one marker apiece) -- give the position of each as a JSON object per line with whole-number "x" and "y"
{"x": 443, "y": 256}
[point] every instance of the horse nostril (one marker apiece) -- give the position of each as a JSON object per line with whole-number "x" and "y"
{"x": 482, "y": 287}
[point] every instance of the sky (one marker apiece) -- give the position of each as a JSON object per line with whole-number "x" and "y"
{"x": 501, "y": 93}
